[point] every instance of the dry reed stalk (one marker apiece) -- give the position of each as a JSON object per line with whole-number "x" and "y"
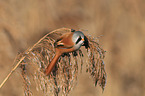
{"x": 64, "y": 76}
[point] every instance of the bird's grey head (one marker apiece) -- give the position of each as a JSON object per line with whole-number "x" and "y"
{"x": 78, "y": 39}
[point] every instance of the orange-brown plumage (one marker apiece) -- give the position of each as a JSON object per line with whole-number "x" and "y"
{"x": 66, "y": 39}
{"x": 64, "y": 44}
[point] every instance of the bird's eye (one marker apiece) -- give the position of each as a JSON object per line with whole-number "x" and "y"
{"x": 79, "y": 39}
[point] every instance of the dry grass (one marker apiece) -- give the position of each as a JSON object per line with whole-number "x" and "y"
{"x": 64, "y": 77}
{"x": 22, "y": 23}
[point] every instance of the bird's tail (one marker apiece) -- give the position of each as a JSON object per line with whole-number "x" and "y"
{"x": 52, "y": 64}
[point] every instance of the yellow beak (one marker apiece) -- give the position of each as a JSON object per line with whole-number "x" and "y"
{"x": 83, "y": 40}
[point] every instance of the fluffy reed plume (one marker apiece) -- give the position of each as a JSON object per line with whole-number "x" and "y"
{"x": 64, "y": 76}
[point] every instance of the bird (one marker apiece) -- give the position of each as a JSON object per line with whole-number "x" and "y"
{"x": 69, "y": 42}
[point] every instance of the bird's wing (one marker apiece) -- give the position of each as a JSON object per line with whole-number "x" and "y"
{"x": 64, "y": 41}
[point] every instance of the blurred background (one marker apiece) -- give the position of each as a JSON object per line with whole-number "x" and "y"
{"x": 121, "y": 22}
